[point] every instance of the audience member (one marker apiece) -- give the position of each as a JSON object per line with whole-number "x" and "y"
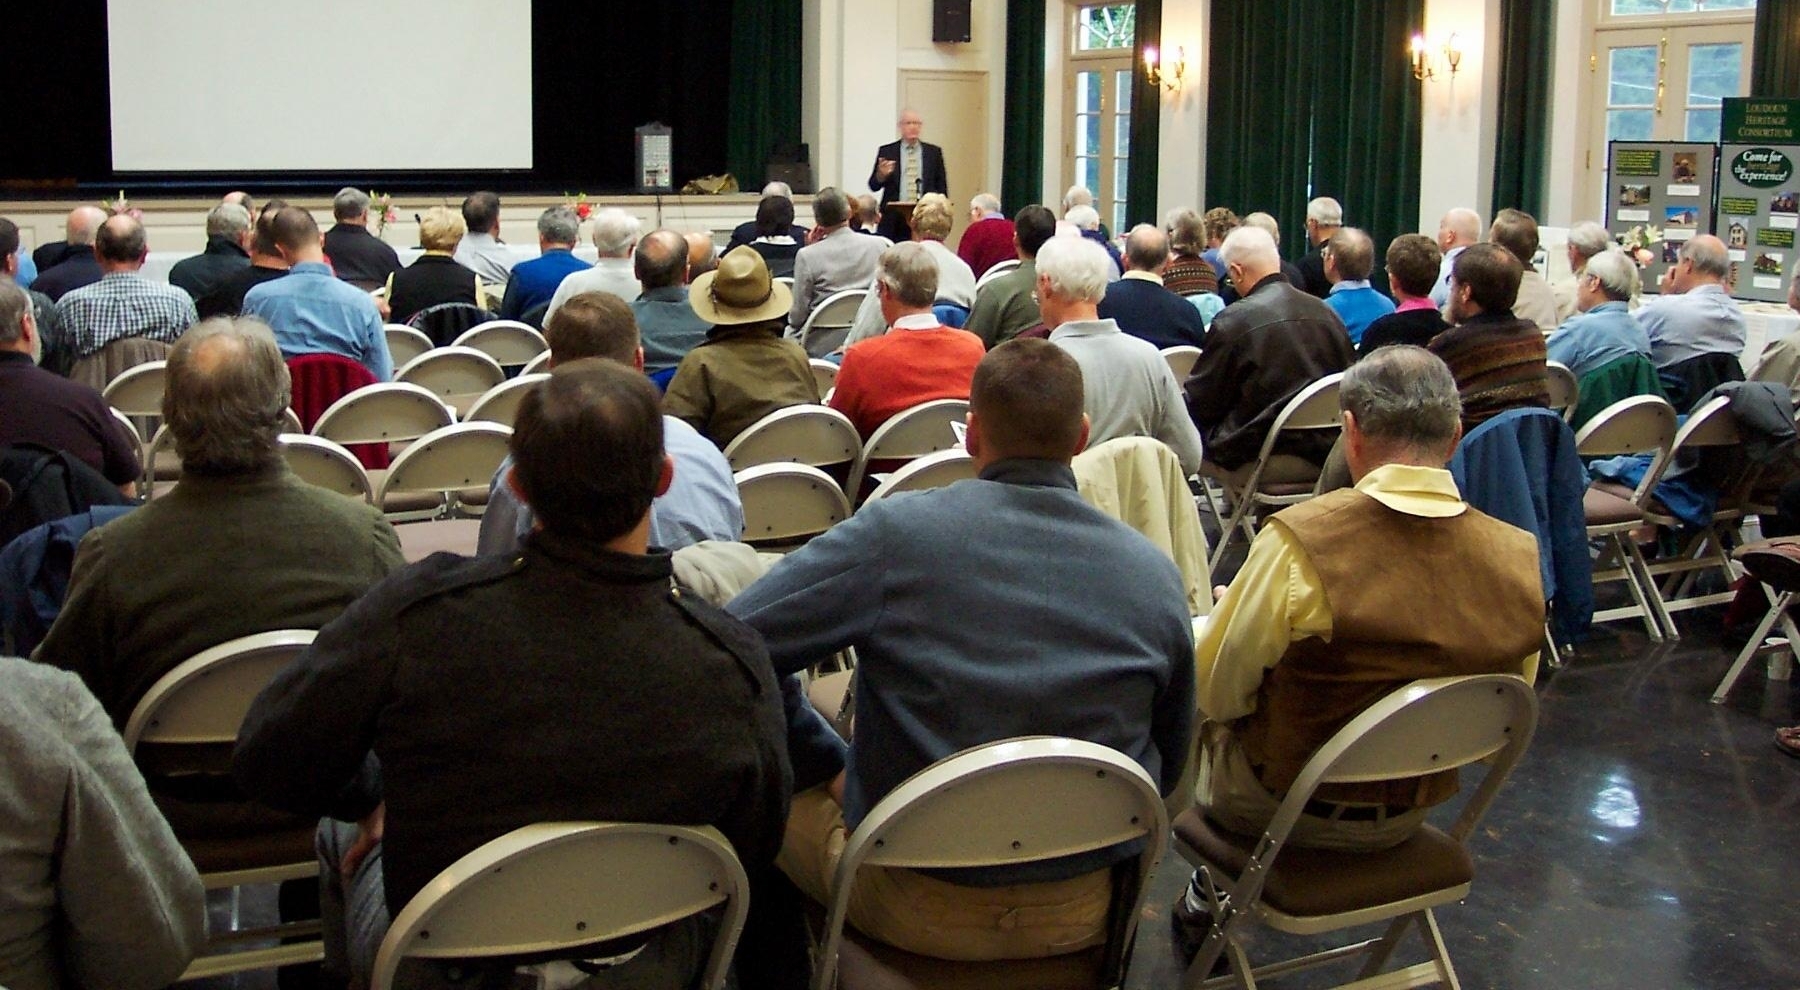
{"x": 1080, "y": 195}
{"x": 1141, "y": 303}
{"x": 435, "y": 277}
{"x": 1261, "y": 352}
{"x": 666, "y": 320}
{"x": 931, "y": 222}
{"x": 646, "y": 685}
{"x": 1497, "y": 358}
{"x": 835, "y": 260}
{"x": 1412, "y": 269}
{"x": 1694, "y": 315}
{"x": 1780, "y": 362}
{"x": 1188, "y": 272}
{"x": 703, "y": 254}
{"x": 1586, "y": 239}
{"x": 1086, "y": 221}
{"x": 918, "y": 360}
{"x": 1349, "y": 261}
{"x": 227, "y": 252}
{"x": 123, "y": 303}
{"x": 745, "y": 232}
{"x": 238, "y": 197}
{"x": 1517, "y": 231}
{"x": 1323, "y": 218}
{"x": 266, "y": 264}
{"x": 534, "y": 283}
{"x": 905, "y": 170}
{"x": 1218, "y": 223}
{"x": 865, "y": 214}
{"x": 1289, "y": 270}
{"x": 46, "y": 409}
{"x": 615, "y": 238}
{"x": 1110, "y": 644}
{"x": 79, "y": 230}
{"x": 1458, "y": 229}
{"x": 701, "y": 502}
{"x": 53, "y": 348}
{"x": 95, "y": 891}
{"x": 1006, "y": 306}
{"x": 1308, "y": 634}
{"x": 771, "y": 235}
{"x": 1603, "y": 331}
{"x": 481, "y": 249}
{"x": 1128, "y": 387}
{"x": 356, "y": 255}
{"x": 988, "y": 240}
{"x": 313, "y": 312}
{"x": 745, "y": 369}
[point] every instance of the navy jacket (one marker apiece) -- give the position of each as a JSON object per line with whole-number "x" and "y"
{"x": 1151, "y": 312}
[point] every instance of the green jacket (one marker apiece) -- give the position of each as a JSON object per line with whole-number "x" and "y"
{"x": 1613, "y": 381}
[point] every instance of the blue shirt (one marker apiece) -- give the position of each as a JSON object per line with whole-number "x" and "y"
{"x": 668, "y": 328}
{"x": 1703, "y": 320}
{"x": 312, "y": 312}
{"x": 534, "y": 282}
{"x": 1358, "y": 305}
{"x": 27, "y": 272}
{"x": 1604, "y": 334}
{"x": 701, "y": 503}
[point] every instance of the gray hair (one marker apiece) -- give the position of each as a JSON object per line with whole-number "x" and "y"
{"x": 1146, "y": 248}
{"x": 1252, "y": 247}
{"x": 227, "y": 220}
{"x": 985, "y": 202}
{"x": 1187, "y": 232}
{"x": 349, "y": 204}
{"x": 1589, "y": 238}
{"x": 1075, "y": 267}
{"x": 227, "y": 391}
{"x": 1618, "y": 274}
{"x": 1084, "y": 217}
{"x": 1076, "y": 196}
{"x": 1326, "y": 212}
{"x": 1708, "y": 255}
{"x": 1266, "y": 222}
{"x": 615, "y": 232}
{"x": 1464, "y": 223}
{"x": 909, "y": 273}
{"x": 559, "y": 225}
{"x": 14, "y": 305}
{"x": 831, "y": 207}
{"x": 778, "y": 188}
{"x": 1404, "y": 396}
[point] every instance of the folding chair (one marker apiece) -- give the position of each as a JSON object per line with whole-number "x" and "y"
{"x": 1181, "y": 360}
{"x": 1315, "y": 409}
{"x": 137, "y": 393}
{"x": 818, "y": 436}
{"x": 456, "y": 375}
{"x": 387, "y": 413}
{"x": 825, "y": 374}
{"x": 787, "y": 504}
{"x": 501, "y": 403}
{"x": 946, "y": 467}
{"x": 541, "y": 363}
{"x": 1565, "y": 390}
{"x": 1009, "y": 802}
{"x": 202, "y": 702}
{"x": 404, "y": 343}
{"x": 131, "y": 433}
{"x": 1426, "y": 727}
{"x": 318, "y": 461}
{"x": 448, "y": 463}
{"x": 290, "y": 421}
{"x": 830, "y": 321}
{"x": 558, "y": 886}
{"x": 1000, "y": 268}
{"x": 1776, "y": 570}
{"x": 1642, "y": 424}
{"x": 910, "y": 433}
{"x": 510, "y": 343}
{"x": 161, "y": 448}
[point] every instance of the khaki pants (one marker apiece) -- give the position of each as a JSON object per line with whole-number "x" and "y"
{"x": 1228, "y": 792}
{"x": 930, "y": 917}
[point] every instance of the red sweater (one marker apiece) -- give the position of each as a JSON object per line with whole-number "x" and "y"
{"x": 986, "y": 243}
{"x": 892, "y": 373}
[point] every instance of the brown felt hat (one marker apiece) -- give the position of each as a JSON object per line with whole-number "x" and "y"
{"x": 739, "y": 291}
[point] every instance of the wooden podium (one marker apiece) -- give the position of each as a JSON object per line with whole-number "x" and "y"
{"x": 896, "y": 218}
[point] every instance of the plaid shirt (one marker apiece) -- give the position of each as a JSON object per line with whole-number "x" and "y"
{"x": 120, "y": 305}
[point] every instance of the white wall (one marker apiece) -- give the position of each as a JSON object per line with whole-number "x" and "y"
{"x": 1458, "y": 115}
{"x": 1181, "y": 158}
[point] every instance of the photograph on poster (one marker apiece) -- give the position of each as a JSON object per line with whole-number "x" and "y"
{"x": 1737, "y": 235}
{"x": 1787, "y": 202}
{"x": 1681, "y": 216}
{"x": 1685, "y": 169}
{"x": 1634, "y": 194}
{"x": 1767, "y": 263}
{"x": 1671, "y": 252}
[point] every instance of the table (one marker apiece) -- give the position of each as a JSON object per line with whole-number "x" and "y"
{"x": 1765, "y": 323}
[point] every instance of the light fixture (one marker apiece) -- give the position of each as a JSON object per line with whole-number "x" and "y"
{"x": 1421, "y": 58}
{"x": 1165, "y": 75}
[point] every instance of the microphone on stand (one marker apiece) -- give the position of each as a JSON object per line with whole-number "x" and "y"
{"x": 918, "y": 187}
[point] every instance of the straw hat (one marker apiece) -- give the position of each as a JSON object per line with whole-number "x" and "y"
{"x": 739, "y": 291}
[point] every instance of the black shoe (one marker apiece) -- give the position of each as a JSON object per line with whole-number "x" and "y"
{"x": 1191, "y": 929}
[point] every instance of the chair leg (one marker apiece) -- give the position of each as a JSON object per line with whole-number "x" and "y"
{"x": 1439, "y": 952}
{"x": 1382, "y": 950}
{"x": 1647, "y": 585}
{"x": 1552, "y": 656}
{"x": 1777, "y": 612}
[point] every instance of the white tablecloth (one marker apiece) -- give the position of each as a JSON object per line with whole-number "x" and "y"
{"x": 157, "y": 266}
{"x": 1764, "y": 324}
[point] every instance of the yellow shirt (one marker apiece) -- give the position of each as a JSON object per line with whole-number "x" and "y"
{"x": 1277, "y": 599}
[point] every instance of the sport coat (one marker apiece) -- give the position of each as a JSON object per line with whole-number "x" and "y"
{"x": 933, "y": 179}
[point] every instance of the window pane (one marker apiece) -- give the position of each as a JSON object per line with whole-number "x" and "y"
{"x": 1703, "y": 125}
{"x": 1628, "y": 7}
{"x": 1727, "y": 4}
{"x": 1087, "y": 134}
{"x": 1121, "y": 171}
{"x": 1122, "y": 90}
{"x": 1122, "y": 136}
{"x": 1629, "y": 125}
{"x": 1632, "y": 77}
{"x": 1087, "y": 92}
{"x": 1105, "y": 27}
{"x": 1713, "y": 72}
{"x": 1087, "y": 172}
{"x": 1118, "y": 218}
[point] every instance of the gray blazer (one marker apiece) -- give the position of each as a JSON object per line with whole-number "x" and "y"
{"x": 843, "y": 259}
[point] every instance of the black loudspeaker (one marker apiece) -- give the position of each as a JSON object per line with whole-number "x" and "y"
{"x": 950, "y": 21}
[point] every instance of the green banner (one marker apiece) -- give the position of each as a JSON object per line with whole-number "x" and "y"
{"x": 1637, "y": 161}
{"x": 1770, "y": 237}
{"x": 1738, "y": 206}
{"x": 1749, "y": 119}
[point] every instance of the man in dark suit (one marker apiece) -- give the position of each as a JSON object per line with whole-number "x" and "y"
{"x": 905, "y": 170}
{"x": 357, "y": 256}
{"x": 1141, "y": 305}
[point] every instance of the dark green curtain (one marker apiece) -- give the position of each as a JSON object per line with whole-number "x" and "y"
{"x": 1022, "y": 140}
{"x": 763, "y": 101}
{"x": 1285, "y": 124}
{"x": 1146, "y": 122}
{"x": 1521, "y": 137}
{"x": 1775, "y": 58}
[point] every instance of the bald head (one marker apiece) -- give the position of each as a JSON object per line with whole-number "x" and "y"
{"x": 1350, "y": 255}
{"x": 1703, "y": 261}
{"x": 83, "y": 224}
{"x": 1460, "y": 227}
{"x": 120, "y": 244}
{"x": 661, "y": 259}
{"x": 1250, "y": 256}
{"x": 227, "y": 390}
{"x": 703, "y": 254}
{"x": 1146, "y": 248}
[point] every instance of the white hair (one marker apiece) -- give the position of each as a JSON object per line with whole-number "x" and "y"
{"x": 1464, "y": 223}
{"x": 986, "y": 202}
{"x": 1589, "y": 238}
{"x": 778, "y": 188}
{"x": 1077, "y": 196}
{"x": 1075, "y": 267}
{"x": 1326, "y": 212}
{"x": 227, "y": 220}
{"x": 1618, "y": 274}
{"x": 615, "y": 231}
{"x": 1085, "y": 217}
{"x": 1251, "y": 247}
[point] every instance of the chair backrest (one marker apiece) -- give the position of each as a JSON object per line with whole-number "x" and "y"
{"x": 501, "y": 403}
{"x": 824, "y": 373}
{"x": 318, "y": 461}
{"x": 830, "y": 321}
{"x": 1314, "y": 408}
{"x": 561, "y": 885}
{"x": 1712, "y": 424}
{"x": 787, "y": 280}
{"x": 1565, "y": 390}
{"x": 1000, "y": 268}
{"x": 383, "y": 413}
{"x": 450, "y": 459}
{"x": 788, "y": 503}
{"x": 804, "y": 434}
{"x": 160, "y": 446}
{"x": 541, "y": 363}
{"x": 1181, "y": 360}
{"x": 98, "y": 369}
{"x": 1641, "y": 424}
{"x": 453, "y": 374}
{"x": 1014, "y": 801}
{"x": 203, "y": 700}
{"x": 946, "y": 467}
{"x": 138, "y": 391}
{"x": 130, "y": 428}
{"x": 290, "y": 421}
{"x": 510, "y": 343}
{"x": 405, "y": 343}
{"x": 915, "y": 432}
{"x": 445, "y": 322}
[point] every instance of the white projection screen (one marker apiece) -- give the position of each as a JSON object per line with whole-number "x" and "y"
{"x": 320, "y": 85}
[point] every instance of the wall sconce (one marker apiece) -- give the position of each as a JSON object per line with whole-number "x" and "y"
{"x": 1421, "y": 58}
{"x": 1160, "y": 75}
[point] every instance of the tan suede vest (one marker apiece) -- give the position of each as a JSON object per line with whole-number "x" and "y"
{"x": 1410, "y": 597}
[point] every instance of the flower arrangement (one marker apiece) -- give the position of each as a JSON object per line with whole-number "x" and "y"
{"x": 381, "y": 208}
{"x": 579, "y": 203}
{"x": 119, "y": 206}
{"x": 1639, "y": 241}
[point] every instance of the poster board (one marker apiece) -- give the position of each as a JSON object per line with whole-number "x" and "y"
{"x": 1758, "y": 214}
{"x": 1667, "y": 189}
